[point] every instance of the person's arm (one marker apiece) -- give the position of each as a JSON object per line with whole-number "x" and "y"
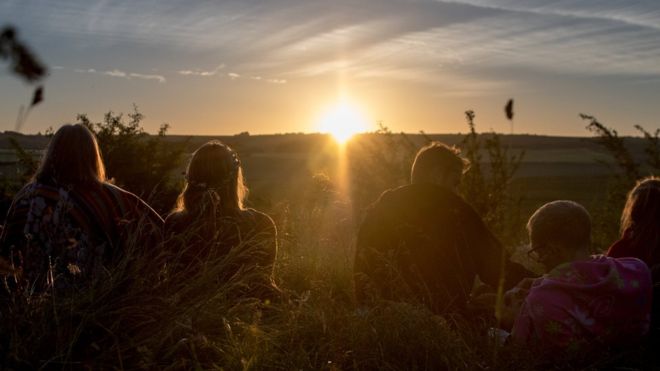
{"x": 490, "y": 257}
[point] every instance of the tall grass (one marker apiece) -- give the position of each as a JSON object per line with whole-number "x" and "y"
{"x": 147, "y": 314}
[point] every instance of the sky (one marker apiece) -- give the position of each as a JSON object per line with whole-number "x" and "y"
{"x": 275, "y": 66}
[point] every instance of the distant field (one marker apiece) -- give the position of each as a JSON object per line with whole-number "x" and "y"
{"x": 552, "y": 168}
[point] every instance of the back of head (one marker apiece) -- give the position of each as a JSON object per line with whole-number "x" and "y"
{"x": 564, "y": 224}
{"x": 214, "y": 169}
{"x": 640, "y": 219}
{"x": 72, "y": 158}
{"x": 439, "y": 164}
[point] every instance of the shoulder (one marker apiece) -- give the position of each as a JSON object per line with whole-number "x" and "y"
{"x": 629, "y": 266}
{"x": 422, "y": 193}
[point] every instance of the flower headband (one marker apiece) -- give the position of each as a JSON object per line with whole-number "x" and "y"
{"x": 235, "y": 165}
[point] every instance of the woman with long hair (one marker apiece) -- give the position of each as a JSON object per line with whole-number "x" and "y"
{"x": 640, "y": 224}
{"x": 213, "y": 228}
{"x": 640, "y": 238}
{"x": 68, "y": 225}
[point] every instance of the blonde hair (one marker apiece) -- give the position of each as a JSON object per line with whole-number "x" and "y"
{"x": 215, "y": 175}
{"x": 437, "y": 155}
{"x": 73, "y": 157}
{"x": 640, "y": 219}
{"x": 562, "y": 222}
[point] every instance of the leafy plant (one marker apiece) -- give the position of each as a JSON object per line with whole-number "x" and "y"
{"x": 627, "y": 171}
{"x": 141, "y": 163}
{"x": 25, "y": 65}
{"x": 486, "y": 183}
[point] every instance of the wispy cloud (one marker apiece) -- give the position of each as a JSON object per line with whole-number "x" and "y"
{"x": 441, "y": 42}
{"x": 268, "y": 80}
{"x": 642, "y": 14}
{"x": 198, "y": 72}
{"x": 158, "y": 78}
{"x": 121, "y": 74}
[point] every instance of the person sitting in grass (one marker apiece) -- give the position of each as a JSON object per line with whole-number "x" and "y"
{"x": 69, "y": 224}
{"x": 640, "y": 237}
{"x": 584, "y": 303}
{"x": 423, "y": 243}
{"x": 214, "y": 231}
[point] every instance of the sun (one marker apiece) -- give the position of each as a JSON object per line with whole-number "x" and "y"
{"x": 343, "y": 121}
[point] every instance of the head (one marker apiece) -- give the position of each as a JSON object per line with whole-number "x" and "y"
{"x": 560, "y": 231}
{"x": 214, "y": 169}
{"x": 641, "y": 215}
{"x": 439, "y": 164}
{"x": 72, "y": 158}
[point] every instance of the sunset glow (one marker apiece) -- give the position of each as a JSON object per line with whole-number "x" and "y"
{"x": 343, "y": 121}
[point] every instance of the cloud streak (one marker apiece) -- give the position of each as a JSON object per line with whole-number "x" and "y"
{"x": 121, "y": 74}
{"x": 440, "y": 42}
{"x": 198, "y": 72}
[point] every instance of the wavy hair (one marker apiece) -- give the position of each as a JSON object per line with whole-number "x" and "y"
{"x": 640, "y": 219}
{"x": 214, "y": 179}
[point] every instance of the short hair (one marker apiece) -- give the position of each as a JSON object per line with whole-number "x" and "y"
{"x": 72, "y": 158}
{"x": 437, "y": 155}
{"x": 564, "y": 223}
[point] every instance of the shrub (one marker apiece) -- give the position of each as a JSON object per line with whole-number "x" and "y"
{"x": 626, "y": 172}
{"x": 143, "y": 164}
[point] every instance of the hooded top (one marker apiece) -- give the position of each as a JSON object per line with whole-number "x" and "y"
{"x": 582, "y": 305}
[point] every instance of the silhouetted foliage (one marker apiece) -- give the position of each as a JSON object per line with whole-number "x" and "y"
{"x": 610, "y": 140}
{"x": 25, "y": 65}
{"x": 486, "y": 188}
{"x": 143, "y": 164}
{"x": 652, "y": 148}
{"x": 23, "y": 62}
{"x": 508, "y": 109}
{"x": 627, "y": 172}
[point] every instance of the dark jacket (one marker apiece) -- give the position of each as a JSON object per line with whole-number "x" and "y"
{"x": 424, "y": 243}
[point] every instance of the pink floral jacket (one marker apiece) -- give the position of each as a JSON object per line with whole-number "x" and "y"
{"x": 579, "y": 305}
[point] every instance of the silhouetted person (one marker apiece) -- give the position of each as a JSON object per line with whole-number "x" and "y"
{"x": 640, "y": 224}
{"x": 583, "y": 303}
{"x": 422, "y": 242}
{"x": 210, "y": 225}
{"x": 69, "y": 225}
{"x": 640, "y": 237}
